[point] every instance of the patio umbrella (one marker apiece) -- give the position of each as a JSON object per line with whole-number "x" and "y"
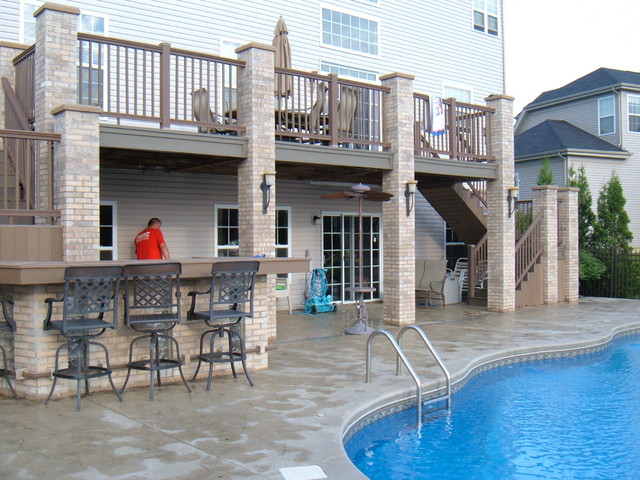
{"x": 283, "y": 57}
{"x": 358, "y": 319}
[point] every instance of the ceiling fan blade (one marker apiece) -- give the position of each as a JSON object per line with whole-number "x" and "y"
{"x": 338, "y": 195}
{"x": 377, "y": 196}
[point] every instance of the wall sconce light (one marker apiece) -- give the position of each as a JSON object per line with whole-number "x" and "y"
{"x": 268, "y": 181}
{"x": 316, "y": 219}
{"x": 512, "y": 196}
{"x": 410, "y": 195}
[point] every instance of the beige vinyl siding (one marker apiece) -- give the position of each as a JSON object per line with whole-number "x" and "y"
{"x": 185, "y": 203}
{"x": 435, "y": 41}
{"x": 430, "y": 230}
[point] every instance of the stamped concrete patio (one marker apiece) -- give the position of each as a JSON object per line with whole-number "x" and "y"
{"x": 290, "y": 425}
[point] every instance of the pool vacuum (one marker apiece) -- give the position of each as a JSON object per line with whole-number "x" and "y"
{"x": 318, "y": 301}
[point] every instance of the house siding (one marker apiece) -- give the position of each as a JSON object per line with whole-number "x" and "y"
{"x": 186, "y": 202}
{"x": 529, "y": 171}
{"x": 411, "y": 39}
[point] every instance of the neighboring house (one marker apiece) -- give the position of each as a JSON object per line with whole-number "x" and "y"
{"x": 593, "y": 121}
{"x": 178, "y": 132}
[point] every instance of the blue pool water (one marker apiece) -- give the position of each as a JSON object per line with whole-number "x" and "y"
{"x": 564, "y": 419}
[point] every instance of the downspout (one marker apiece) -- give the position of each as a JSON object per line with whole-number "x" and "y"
{"x": 566, "y": 169}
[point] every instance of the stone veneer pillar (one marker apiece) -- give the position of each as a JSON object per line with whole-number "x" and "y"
{"x": 399, "y": 228}
{"x": 501, "y": 227}
{"x": 545, "y": 201}
{"x": 8, "y": 51}
{"x": 257, "y": 229}
{"x": 569, "y": 249}
{"x": 56, "y": 61}
{"x": 77, "y": 181}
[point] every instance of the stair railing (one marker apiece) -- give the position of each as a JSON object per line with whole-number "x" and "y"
{"x": 478, "y": 265}
{"x": 529, "y": 249}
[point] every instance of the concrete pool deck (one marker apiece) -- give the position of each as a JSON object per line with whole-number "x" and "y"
{"x": 290, "y": 425}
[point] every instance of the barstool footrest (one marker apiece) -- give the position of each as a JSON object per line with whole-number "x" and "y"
{"x": 165, "y": 364}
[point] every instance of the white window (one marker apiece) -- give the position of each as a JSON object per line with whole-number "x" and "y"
{"x": 349, "y": 32}
{"x": 345, "y": 71}
{"x": 108, "y": 250}
{"x": 88, "y": 22}
{"x": 606, "y": 115}
{"x": 485, "y": 16}
{"x": 633, "y": 107}
{"x": 227, "y": 232}
{"x": 459, "y": 93}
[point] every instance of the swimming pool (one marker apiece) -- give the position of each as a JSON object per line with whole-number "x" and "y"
{"x": 575, "y": 418}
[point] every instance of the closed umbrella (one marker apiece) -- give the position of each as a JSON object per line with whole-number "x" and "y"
{"x": 283, "y": 57}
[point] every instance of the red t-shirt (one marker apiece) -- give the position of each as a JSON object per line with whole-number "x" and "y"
{"x": 148, "y": 244}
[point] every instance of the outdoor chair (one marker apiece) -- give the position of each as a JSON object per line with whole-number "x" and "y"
{"x": 282, "y": 290}
{"x": 8, "y": 326}
{"x": 436, "y": 291}
{"x": 347, "y": 109}
{"x": 200, "y": 103}
{"x": 152, "y": 306}
{"x": 89, "y": 307}
{"x": 229, "y": 302}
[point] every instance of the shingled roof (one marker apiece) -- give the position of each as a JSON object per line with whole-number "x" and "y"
{"x": 599, "y": 79}
{"x": 557, "y": 136}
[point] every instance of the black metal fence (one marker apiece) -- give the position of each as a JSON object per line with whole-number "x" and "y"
{"x": 620, "y": 277}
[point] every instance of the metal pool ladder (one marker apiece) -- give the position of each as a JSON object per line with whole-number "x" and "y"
{"x": 401, "y": 357}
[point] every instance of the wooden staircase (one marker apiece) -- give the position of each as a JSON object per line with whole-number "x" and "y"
{"x": 459, "y": 207}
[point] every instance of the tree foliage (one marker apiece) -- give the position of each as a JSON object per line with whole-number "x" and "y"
{"x": 611, "y": 229}
{"x": 545, "y": 177}
{"x": 586, "y": 217}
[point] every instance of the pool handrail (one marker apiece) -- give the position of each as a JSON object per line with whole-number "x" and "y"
{"x": 432, "y": 349}
{"x": 400, "y": 356}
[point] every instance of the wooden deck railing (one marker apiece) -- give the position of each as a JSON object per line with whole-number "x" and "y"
{"x": 25, "y": 83}
{"x": 26, "y": 174}
{"x": 465, "y": 135}
{"x": 479, "y": 189}
{"x": 528, "y": 249}
{"x": 159, "y": 84}
{"x": 323, "y": 109}
{"x": 478, "y": 266}
{"x": 524, "y": 216}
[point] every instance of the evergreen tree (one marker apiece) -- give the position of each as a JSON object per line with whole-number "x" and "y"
{"x": 612, "y": 225}
{"x": 545, "y": 177}
{"x": 586, "y": 217}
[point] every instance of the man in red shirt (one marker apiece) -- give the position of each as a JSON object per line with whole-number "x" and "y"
{"x": 150, "y": 244}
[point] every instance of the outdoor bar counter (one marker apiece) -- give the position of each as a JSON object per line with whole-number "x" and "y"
{"x": 31, "y": 349}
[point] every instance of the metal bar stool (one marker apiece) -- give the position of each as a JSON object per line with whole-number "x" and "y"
{"x": 152, "y": 306}
{"x": 89, "y": 307}
{"x": 8, "y": 326}
{"x": 230, "y": 299}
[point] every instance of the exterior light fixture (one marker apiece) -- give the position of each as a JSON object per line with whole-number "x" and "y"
{"x": 512, "y": 196}
{"x": 316, "y": 219}
{"x": 268, "y": 181}
{"x": 410, "y": 195}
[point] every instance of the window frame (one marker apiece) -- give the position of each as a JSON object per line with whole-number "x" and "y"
{"x": 485, "y": 28}
{"x": 333, "y": 8}
{"x": 114, "y": 230}
{"x": 324, "y": 63}
{"x": 612, "y": 98}
{"x": 224, "y": 247}
{"x": 629, "y": 114}
{"x": 447, "y": 85}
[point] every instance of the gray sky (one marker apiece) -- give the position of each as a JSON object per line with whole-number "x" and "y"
{"x": 549, "y": 43}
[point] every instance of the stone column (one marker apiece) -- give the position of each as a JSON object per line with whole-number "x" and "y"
{"x": 545, "y": 201}
{"x": 569, "y": 242}
{"x": 256, "y": 84}
{"x": 56, "y": 61}
{"x": 77, "y": 181}
{"x": 501, "y": 226}
{"x": 399, "y": 228}
{"x": 8, "y": 51}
